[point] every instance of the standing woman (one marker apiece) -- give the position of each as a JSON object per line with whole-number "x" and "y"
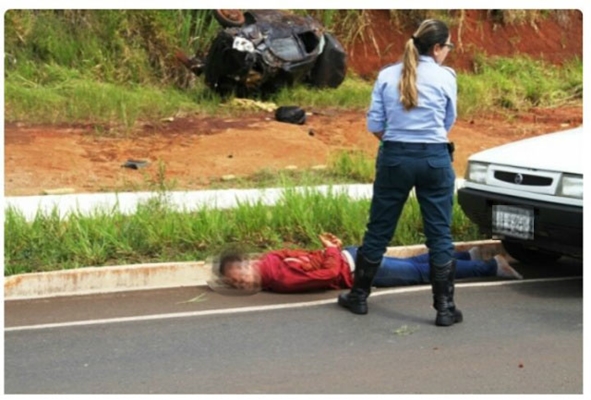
{"x": 413, "y": 106}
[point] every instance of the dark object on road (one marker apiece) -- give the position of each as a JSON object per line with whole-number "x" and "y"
{"x": 270, "y": 49}
{"x": 291, "y": 114}
{"x": 135, "y": 164}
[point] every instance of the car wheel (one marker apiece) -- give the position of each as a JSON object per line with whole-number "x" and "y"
{"x": 331, "y": 65}
{"x": 229, "y": 18}
{"x": 529, "y": 256}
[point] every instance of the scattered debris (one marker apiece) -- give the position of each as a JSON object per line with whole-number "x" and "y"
{"x": 252, "y": 104}
{"x": 405, "y": 330}
{"x": 59, "y": 191}
{"x": 135, "y": 164}
{"x": 319, "y": 167}
{"x": 201, "y": 298}
{"x": 291, "y": 114}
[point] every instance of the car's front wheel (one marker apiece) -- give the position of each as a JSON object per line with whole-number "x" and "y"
{"x": 331, "y": 65}
{"x": 527, "y": 255}
{"x": 229, "y": 18}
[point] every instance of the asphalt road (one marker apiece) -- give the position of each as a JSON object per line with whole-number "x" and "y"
{"x": 517, "y": 338}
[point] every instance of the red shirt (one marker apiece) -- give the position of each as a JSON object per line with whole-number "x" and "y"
{"x": 286, "y": 271}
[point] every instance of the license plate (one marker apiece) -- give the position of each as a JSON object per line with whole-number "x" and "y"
{"x": 514, "y": 221}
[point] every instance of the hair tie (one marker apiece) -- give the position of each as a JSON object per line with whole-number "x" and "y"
{"x": 414, "y": 39}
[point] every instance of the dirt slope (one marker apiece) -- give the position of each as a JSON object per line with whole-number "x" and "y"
{"x": 556, "y": 40}
{"x": 196, "y": 150}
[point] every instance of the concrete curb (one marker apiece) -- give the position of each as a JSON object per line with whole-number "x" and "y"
{"x": 96, "y": 280}
{"x": 127, "y": 203}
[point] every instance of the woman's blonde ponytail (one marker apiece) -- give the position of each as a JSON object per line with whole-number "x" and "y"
{"x": 409, "y": 96}
{"x": 429, "y": 33}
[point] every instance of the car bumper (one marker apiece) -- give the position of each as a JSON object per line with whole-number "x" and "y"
{"x": 557, "y": 227}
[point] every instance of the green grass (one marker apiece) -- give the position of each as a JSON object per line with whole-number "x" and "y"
{"x": 517, "y": 84}
{"x": 98, "y": 102}
{"x": 157, "y": 232}
{"x": 500, "y": 84}
{"x": 353, "y": 93}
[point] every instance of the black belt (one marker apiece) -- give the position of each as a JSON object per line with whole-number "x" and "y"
{"x": 409, "y": 145}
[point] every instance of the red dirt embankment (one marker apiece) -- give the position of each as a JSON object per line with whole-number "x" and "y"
{"x": 554, "y": 39}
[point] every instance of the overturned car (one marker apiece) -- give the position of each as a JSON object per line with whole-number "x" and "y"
{"x": 258, "y": 52}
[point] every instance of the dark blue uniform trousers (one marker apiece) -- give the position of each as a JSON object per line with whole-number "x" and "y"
{"x": 400, "y": 167}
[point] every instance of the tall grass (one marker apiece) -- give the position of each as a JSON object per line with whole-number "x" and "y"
{"x": 158, "y": 232}
{"x": 355, "y": 165}
{"x": 353, "y": 93}
{"x": 518, "y": 84}
{"x": 118, "y": 46}
{"x": 499, "y": 84}
{"x": 100, "y": 102}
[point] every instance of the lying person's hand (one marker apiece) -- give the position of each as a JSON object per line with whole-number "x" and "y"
{"x": 330, "y": 240}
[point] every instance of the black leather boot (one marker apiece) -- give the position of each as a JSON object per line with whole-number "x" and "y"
{"x": 442, "y": 284}
{"x": 458, "y": 316}
{"x": 356, "y": 300}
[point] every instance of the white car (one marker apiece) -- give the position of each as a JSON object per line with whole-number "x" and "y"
{"x": 529, "y": 194}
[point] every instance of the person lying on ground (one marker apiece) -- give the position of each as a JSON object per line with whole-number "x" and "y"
{"x": 293, "y": 271}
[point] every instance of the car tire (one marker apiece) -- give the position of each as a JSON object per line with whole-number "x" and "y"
{"x": 229, "y": 18}
{"x": 331, "y": 65}
{"x": 527, "y": 255}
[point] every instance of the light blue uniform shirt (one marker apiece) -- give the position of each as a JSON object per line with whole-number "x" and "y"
{"x": 435, "y": 114}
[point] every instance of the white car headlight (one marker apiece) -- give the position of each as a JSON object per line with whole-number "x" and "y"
{"x": 476, "y": 172}
{"x": 571, "y": 186}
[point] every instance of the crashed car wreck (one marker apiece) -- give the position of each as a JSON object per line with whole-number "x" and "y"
{"x": 258, "y": 52}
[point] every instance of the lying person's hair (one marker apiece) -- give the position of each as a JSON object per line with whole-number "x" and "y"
{"x": 229, "y": 257}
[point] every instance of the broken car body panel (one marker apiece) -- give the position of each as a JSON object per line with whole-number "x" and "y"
{"x": 270, "y": 50}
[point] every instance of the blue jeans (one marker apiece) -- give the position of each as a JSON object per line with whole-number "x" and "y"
{"x": 400, "y": 167}
{"x": 395, "y": 271}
